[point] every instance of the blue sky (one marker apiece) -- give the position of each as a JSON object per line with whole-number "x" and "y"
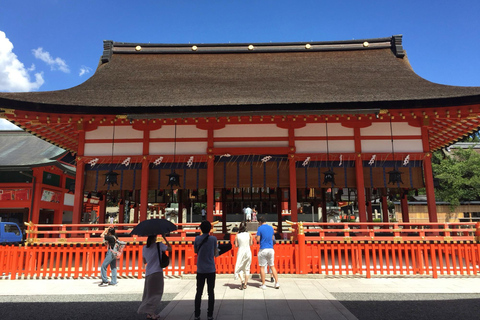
{"x": 56, "y": 44}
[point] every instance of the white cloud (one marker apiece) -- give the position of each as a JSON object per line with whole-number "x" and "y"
{"x": 84, "y": 70}
{"x": 14, "y": 77}
{"x": 55, "y": 64}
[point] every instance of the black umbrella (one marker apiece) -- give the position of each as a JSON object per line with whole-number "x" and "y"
{"x": 153, "y": 227}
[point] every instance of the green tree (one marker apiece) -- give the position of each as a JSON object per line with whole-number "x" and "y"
{"x": 458, "y": 174}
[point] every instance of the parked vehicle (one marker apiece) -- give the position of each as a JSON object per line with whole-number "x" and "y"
{"x": 10, "y": 233}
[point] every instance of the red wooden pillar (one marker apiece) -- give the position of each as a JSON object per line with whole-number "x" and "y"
{"x": 362, "y": 213}
{"x": 144, "y": 189}
{"x": 57, "y": 216}
{"x": 302, "y": 268}
{"x": 293, "y": 188}
{"x": 404, "y": 206}
{"x": 210, "y": 187}
{"x": 79, "y": 179}
{"x": 384, "y": 209}
{"x": 38, "y": 177}
{"x": 427, "y": 170}
{"x": 102, "y": 208}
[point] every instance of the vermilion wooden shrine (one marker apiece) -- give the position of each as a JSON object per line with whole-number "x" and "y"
{"x": 35, "y": 180}
{"x": 266, "y": 124}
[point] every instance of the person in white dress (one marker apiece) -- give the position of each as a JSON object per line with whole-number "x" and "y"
{"x": 243, "y": 241}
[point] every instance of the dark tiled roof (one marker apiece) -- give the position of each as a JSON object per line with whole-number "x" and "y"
{"x": 236, "y": 78}
{"x": 23, "y": 150}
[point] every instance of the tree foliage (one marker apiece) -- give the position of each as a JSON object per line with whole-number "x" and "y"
{"x": 458, "y": 174}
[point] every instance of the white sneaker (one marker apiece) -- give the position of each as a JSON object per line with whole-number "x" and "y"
{"x": 277, "y": 285}
{"x": 263, "y": 287}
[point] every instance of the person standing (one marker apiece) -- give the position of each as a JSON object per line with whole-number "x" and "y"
{"x": 204, "y": 214}
{"x": 243, "y": 241}
{"x": 154, "y": 283}
{"x": 205, "y": 246}
{"x": 266, "y": 254}
{"x": 254, "y": 214}
{"x": 109, "y": 238}
{"x": 248, "y": 214}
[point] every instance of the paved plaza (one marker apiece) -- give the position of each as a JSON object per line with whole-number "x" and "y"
{"x": 299, "y": 297}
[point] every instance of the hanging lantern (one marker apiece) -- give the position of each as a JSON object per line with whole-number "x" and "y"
{"x": 329, "y": 177}
{"x": 111, "y": 178}
{"x": 394, "y": 177}
{"x": 173, "y": 179}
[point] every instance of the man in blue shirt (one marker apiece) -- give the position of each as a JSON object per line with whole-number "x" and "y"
{"x": 205, "y": 246}
{"x": 266, "y": 255}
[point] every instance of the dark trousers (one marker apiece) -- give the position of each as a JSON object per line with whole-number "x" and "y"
{"x": 201, "y": 277}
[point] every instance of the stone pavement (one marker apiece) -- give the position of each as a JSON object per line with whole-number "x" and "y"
{"x": 299, "y": 297}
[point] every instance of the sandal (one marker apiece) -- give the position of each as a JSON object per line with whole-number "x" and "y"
{"x": 244, "y": 286}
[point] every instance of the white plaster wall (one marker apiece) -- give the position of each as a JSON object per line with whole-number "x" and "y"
{"x": 320, "y": 146}
{"x": 319, "y": 130}
{"x": 413, "y": 145}
{"x": 250, "y": 144}
{"x": 68, "y": 199}
{"x": 386, "y": 146}
{"x": 167, "y": 148}
{"x": 183, "y": 131}
{"x": 383, "y": 129}
{"x": 250, "y": 130}
{"x": 121, "y": 132}
{"x": 105, "y": 149}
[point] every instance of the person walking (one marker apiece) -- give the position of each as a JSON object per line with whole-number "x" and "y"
{"x": 243, "y": 241}
{"x": 266, "y": 254}
{"x": 205, "y": 246}
{"x": 109, "y": 238}
{"x": 154, "y": 283}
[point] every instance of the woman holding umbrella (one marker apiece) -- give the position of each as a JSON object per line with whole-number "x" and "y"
{"x": 153, "y": 289}
{"x": 152, "y": 254}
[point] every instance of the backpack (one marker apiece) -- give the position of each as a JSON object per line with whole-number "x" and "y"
{"x": 118, "y": 248}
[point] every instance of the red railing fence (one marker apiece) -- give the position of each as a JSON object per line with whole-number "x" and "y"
{"x": 361, "y": 249}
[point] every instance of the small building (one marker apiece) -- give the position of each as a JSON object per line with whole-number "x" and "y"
{"x": 279, "y": 126}
{"x": 36, "y": 181}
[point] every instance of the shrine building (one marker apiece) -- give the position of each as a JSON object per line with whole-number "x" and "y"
{"x": 276, "y": 126}
{"x": 36, "y": 180}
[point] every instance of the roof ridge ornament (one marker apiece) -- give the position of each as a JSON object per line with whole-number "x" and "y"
{"x": 397, "y": 46}
{"x": 107, "y": 51}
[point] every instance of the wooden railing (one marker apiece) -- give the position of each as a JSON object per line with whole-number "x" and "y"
{"x": 90, "y": 233}
{"x": 366, "y": 250}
